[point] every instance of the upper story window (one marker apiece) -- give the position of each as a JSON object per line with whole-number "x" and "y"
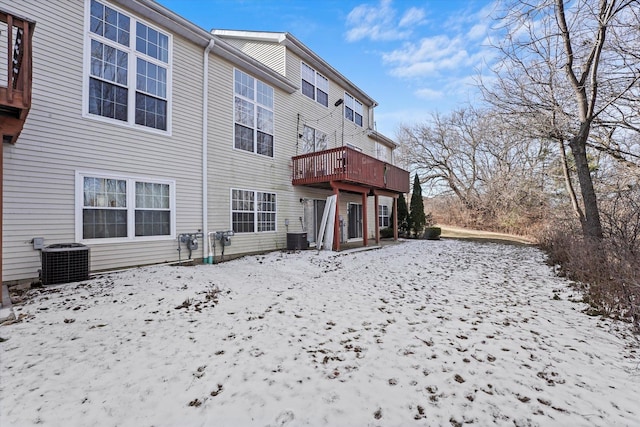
{"x": 253, "y": 115}
{"x": 352, "y": 109}
{"x": 129, "y": 69}
{"x": 315, "y": 85}
{"x": 382, "y": 152}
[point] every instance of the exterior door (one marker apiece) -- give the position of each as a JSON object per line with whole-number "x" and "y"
{"x": 355, "y": 221}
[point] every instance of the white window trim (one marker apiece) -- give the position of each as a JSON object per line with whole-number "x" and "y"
{"x": 131, "y": 69}
{"x": 131, "y": 207}
{"x": 255, "y": 117}
{"x": 316, "y": 138}
{"x": 315, "y": 84}
{"x": 383, "y": 152}
{"x": 255, "y": 211}
{"x": 353, "y": 108}
{"x": 381, "y": 216}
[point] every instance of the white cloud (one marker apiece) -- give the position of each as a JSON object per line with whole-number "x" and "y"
{"x": 415, "y": 70}
{"x": 428, "y": 93}
{"x": 478, "y": 31}
{"x": 378, "y": 22}
{"x": 431, "y": 56}
{"x": 412, "y": 16}
{"x": 428, "y": 48}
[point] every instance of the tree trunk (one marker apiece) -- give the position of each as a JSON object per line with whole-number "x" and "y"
{"x": 569, "y": 184}
{"x": 591, "y": 226}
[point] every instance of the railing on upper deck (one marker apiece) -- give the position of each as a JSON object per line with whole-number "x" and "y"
{"x": 348, "y": 165}
{"x": 15, "y": 72}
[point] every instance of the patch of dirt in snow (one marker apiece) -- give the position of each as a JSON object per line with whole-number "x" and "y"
{"x": 440, "y": 332}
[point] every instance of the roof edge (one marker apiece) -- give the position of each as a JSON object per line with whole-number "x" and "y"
{"x": 291, "y": 42}
{"x": 169, "y": 19}
{"x": 382, "y": 138}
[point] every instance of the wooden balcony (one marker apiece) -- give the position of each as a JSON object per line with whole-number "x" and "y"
{"x": 344, "y": 164}
{"x": 15, "y": 74}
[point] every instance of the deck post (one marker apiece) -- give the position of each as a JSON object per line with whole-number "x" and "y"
{"x": 395, "y": 217}
{"x": 365, "y": 229}
{"x": 336, "y": 222}
{"x": 376, "y": 219}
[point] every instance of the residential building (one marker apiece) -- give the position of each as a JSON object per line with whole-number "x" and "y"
{"x": 135, "y": 126}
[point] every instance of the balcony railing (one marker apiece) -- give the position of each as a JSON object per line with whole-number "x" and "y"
{"x": 15, "y": 73}
{"x": 344, "y": 164}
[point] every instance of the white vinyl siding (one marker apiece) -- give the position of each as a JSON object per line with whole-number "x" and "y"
{"x": 128, "y": 69}
{"x": 270, "y": 54}
{"x": 111, "y": 208}
{"x": 57, "y": 140}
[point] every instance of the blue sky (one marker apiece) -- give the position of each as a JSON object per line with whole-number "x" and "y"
{"x": 413, "y": 57}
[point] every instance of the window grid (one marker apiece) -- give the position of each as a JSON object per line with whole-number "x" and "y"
{"x": 383, "y": 216}
{"x": 313, "y": 140}
{"x": 253, "y": 211}
{"x": 353, "y": 109}
{"x": 314, "y": 85}
{"x": 348, "y": 107}
{"x": 253, "y": 115}
{"x": 153, "y": 214}
{"x": 358, "y": 113}
{"x": 116, "y": 62}
{"x": 152, "y": 42}
{"x": 323, "y": 90}
{"x": 109, "y": 23}
{"x": 109, "y": 204}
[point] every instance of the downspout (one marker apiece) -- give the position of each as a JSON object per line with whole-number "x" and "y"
{"x": 205, "y": 142}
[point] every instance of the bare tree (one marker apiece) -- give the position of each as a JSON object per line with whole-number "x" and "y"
{"x": 443, "y": 151}
{"x": 566, "y": 72}
{"x": 498, "y": 177}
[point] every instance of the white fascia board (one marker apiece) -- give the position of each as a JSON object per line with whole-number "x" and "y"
{"x": 374, "y": 134}
{"x": 264, "y": 36}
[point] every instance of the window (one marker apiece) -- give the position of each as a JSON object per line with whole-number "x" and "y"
{"x": 253, "y": 211}
{"x": 313, "y": 140}
{"x": 352, "y": 109}
{"x": 113, "y": 207}
{"x": 128, "y": 69}
{"x": 383, "y": 216}
{"x": 253, "y": 115}
{"x": 382, "y": 152}
{"x": 314, "y": 85}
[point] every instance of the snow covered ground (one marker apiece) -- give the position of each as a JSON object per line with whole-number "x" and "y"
{"x": 420, "y": 333}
